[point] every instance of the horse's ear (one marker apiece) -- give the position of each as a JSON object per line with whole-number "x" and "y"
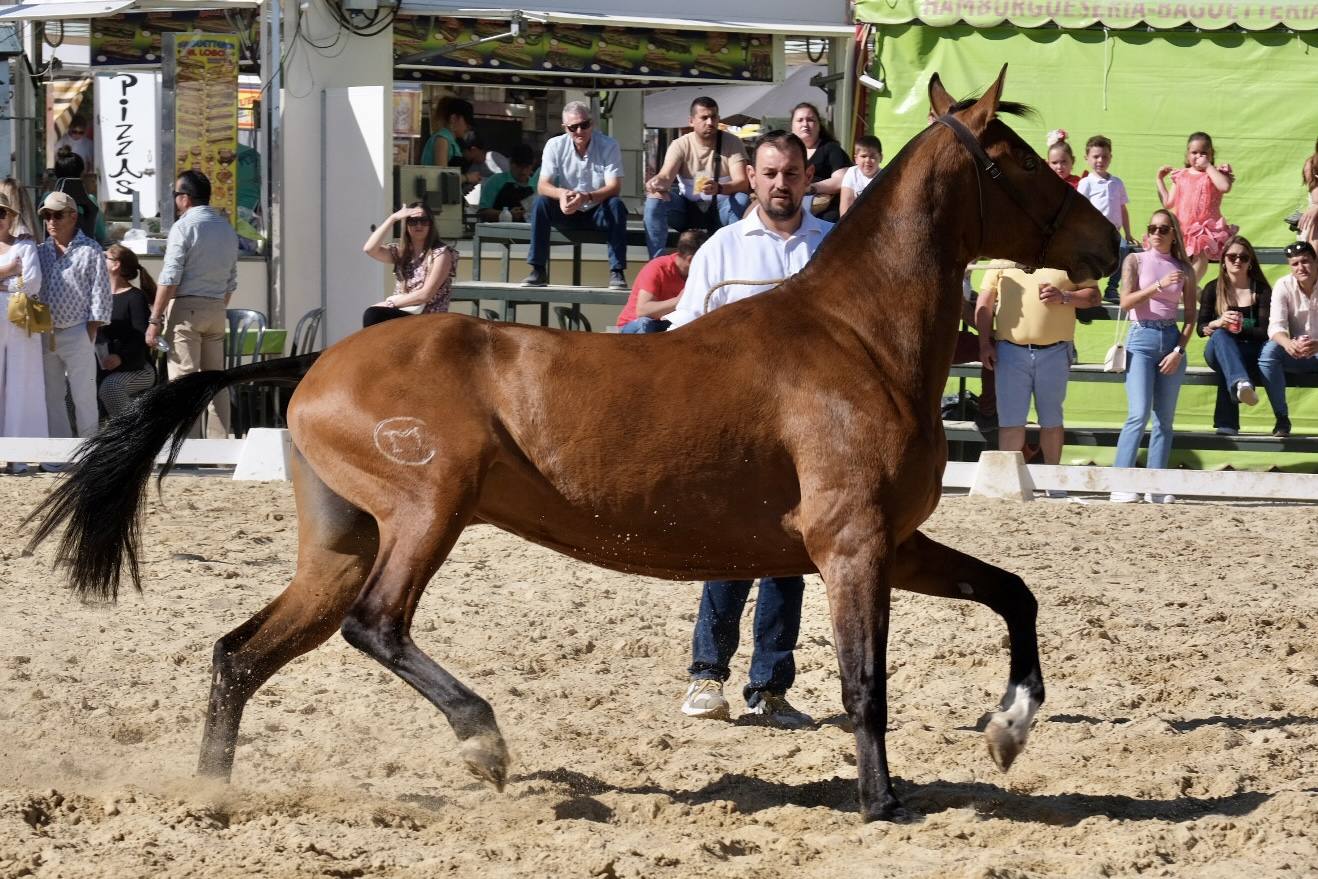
{"x": 986, "y": 107}
{"x": 939, "y": 100}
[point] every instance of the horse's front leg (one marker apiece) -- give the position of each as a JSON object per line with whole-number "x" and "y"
{"x": 930, "y": 568}
{"x": 855, "y": 566}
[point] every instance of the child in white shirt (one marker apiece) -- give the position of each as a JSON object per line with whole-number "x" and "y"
{"x": 868, "y": 155}
{"x": 1107, "y": 193}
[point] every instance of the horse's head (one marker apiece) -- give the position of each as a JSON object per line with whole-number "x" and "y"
{"x": 1026, "y": 212}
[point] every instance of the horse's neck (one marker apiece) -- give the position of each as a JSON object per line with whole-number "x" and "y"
{"x": 896, "y": 276}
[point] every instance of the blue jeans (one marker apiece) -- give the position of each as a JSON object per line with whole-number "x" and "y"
{"x": 610, "y": 217}
{"x": 1236, "y": 360}
{"x": 1148, "y": 390}
{"x": 1274, "y": 363}
{"x": 644, "y": 325}
{"x": 777, "y": 624}
{"x": 679, "y": 214}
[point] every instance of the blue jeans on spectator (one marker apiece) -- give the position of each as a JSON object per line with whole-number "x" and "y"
{"x": 777, "y": 624}
{"x": 1148, "y": 390}
{"x": 679, "y": 214}
{"x": 1274, "y": 363}
{"x": 1235, "y": 360}
{"x": 610, "y": 217}
{"x": 644, "y": 325}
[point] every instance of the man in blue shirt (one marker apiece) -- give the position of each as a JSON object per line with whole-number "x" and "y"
{"x": 580, "y": 178}
{"x": 76, "y": 285}
{"x": 199, "y": 275}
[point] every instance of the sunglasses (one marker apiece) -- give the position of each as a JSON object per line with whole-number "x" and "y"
{"x": 52, "y": 215}
{"x": 1237, "y": 257}
{"x": 4, "y": 213}
{"x": 1299, "y": 248}
{"x": 179, "y": 192}
{"x": 1159, "y": 229}
{"x": 583, "y": 125}
{"x": 418, "y": 221}
{"x": 78, "y": 132}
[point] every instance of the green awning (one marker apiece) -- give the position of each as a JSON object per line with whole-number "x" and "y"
{"x": 1207, "y": 15}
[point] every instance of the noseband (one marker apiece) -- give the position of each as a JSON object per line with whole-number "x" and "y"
{"x": 989, "y": 167}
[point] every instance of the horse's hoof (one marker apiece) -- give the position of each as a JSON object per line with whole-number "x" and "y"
{"x": 891, "y": 811}
{"x": 486, "y": 757}
{"x": 1005, "y": 736}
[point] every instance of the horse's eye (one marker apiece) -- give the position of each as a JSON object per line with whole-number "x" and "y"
{"x": 1031, "y": 164}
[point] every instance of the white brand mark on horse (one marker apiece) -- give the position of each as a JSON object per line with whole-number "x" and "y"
{"x": 404, "y": 440}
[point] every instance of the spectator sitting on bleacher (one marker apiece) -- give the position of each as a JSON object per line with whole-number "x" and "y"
{"x": 658, "y": 286}
{"x": 702, "y": 182}
{"x": 1234, "y": 311}
{"x": 580, "y": 178}
{"x": 1293, "y": 330}
{"x": 511, "y": 188}
{"x": 1034, "y": 315}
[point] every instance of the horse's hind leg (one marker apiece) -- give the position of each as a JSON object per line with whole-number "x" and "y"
{"x": 336, "y": 547}
{"x": 380, "y": 622}
{"x": 930, "y": 568}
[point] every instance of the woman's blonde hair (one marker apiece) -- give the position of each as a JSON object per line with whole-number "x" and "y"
{"x": 26, "y": 225}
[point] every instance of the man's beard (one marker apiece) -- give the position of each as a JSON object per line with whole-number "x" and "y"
{"x": 780, "y": 213}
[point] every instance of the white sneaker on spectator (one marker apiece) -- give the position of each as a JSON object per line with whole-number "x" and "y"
{"x": 1159, "y": 498}
{"x": 1226, "y": 431}
{"x": 1124, "y": 497}
{"x": 704, "y": 699}
{"x": 53, "y": 467}
{"x": 1246, "y": 394}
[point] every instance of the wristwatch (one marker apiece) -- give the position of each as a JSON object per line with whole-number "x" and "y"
{"x": 1179, "y": 349}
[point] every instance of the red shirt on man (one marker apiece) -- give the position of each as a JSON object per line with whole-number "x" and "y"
{"x": 661, "y": 278}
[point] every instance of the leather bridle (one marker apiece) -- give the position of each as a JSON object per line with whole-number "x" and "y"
{"x": 987, "y": 166}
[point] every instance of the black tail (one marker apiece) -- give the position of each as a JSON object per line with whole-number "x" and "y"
{"x": 100, "y": 497}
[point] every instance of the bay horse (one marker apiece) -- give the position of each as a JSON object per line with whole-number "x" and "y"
{"x": 794, "y": 432}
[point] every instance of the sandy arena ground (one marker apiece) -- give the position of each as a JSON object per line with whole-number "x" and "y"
{"x": 1180, "y": 736}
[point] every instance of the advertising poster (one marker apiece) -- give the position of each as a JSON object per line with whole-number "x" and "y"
{"x": 590, "y": 51}
{"x": 126, "y": 40}
{"x": 206, "y": 112}
{"x": 127, "y": 107}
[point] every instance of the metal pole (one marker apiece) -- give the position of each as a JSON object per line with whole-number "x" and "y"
{"x": 273, "y": 167}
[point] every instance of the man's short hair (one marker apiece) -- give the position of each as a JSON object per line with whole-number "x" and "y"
{"x": 522, "y": 154}
{"x": 783, "y": 141}
{"x": 703, "y": 101}
{"x": 196, "y": 186}
{"x": 576, "y": 108}
{"x": 689, "y": 242}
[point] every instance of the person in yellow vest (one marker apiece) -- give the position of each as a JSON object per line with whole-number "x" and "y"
{"x": 1026, "y": 324}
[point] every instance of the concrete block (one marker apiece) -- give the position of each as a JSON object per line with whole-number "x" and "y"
{"x": 265, "y": 456}
{"x": 1003, "y": 475}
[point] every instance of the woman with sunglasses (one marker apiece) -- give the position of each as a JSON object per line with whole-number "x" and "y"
{"x": 1233, "y": 314}
{"x": 424, "y": 266}
{"x": 1153, "y": 284}
{"x": 22, "y": 381}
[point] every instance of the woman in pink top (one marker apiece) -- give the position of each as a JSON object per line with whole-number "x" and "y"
{"x": 1153, "y": 284}
{"x": 1196, "y": 200}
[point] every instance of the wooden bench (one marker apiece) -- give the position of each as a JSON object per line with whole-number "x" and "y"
{"x": 513, "y": 295}
{"x": 508, "y": 234}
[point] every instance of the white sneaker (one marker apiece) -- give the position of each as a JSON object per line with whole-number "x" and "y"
{"x": 1246, "y": 394}
{"x": 1228, "y": 431}
{"x": 704, "y": 699}
{"x": 1159, "y": 498}
{"x": 1124, "y": 497}
{"x": 774, "y": 710}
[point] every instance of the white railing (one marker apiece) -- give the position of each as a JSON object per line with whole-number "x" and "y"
{"x": 262, "y": 455}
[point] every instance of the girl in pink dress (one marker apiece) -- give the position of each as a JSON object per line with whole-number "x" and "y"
{"x": 1196, "y": 200}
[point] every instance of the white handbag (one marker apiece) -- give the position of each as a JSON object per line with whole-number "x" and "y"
{"x": 1115, "y": 361}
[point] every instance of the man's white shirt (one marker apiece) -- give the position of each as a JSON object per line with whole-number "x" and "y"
{"x": 745, "y": 251}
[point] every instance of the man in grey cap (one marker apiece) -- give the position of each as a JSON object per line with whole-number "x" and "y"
{"x": 199, "y": 275}
{"x": 76, "y": 286}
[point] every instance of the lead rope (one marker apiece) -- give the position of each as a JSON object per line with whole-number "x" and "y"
{"x": 705, "y": 310}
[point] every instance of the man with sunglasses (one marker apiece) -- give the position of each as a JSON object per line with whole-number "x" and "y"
{"x": 199, "y": 275}
{"x": 580, "y": 178}
{"x": 77, "y": 141}
{"x": 76, "y": 286}
{"x": 1293, "y": 330}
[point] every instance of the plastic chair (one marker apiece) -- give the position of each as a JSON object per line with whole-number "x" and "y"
{"x": 571, "y": 320}
{"x": 244, "y": 323}
{"x": 306, "y": 335}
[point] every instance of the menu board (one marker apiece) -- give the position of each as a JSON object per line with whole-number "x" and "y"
{"x": 206, "y": 112}
{"x": 587, "y": 51}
